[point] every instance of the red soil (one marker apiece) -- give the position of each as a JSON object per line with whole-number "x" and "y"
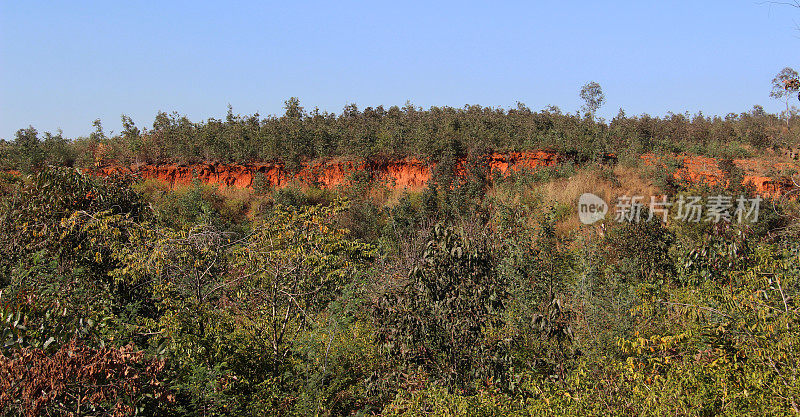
{"x": 411, "y": 173}
{"x": 700, "y": 169}
{"x": 406, "y": 173}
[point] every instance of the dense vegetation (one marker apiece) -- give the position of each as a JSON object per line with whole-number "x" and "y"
{"x": 379, "y": 133}
{"x": 471, "y": 297}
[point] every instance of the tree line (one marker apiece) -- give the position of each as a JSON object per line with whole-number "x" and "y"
{"x": 300, "y": 135}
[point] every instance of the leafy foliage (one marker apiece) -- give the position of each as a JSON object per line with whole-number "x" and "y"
{"x": 438, "y": 320}
{"x": 81, "y": 380}
{"x": 436, "y": 134}
{"x": 468, "y": 298}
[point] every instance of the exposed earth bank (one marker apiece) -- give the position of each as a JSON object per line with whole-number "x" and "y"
{"x": 411, "y": 173}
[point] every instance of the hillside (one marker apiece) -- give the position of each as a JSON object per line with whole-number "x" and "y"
{"x": 276, "y": 267}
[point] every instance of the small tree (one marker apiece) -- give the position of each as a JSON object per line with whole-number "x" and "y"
{"x": 785, "y": 85}
{"x": 28, "y": 149}
{"x": 439, "y": 320}
{"x": 593, "y": 95}
{"x": 294, "y": 264}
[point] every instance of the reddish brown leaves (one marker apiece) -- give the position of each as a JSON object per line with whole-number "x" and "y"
{"x": 76, "y": 379}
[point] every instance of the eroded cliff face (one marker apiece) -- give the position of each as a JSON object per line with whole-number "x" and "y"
{"x": 408, "y": 173}
{"x": 414, "y": 174}
{"x": 700, "y": 169}
{"x": 405, "y": 173}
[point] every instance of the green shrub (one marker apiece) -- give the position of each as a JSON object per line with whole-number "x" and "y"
{"x": 437, "y": 322}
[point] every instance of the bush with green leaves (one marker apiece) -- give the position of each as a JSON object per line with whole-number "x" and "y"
{"x": 439, "y": 323}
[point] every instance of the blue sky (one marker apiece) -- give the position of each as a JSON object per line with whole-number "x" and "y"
{"x": 65, "y": 64}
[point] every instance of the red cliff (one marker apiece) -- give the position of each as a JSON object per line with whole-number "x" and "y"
{"x": 700, "y": 169}
{"x": 412, "y": 173}
{"x": 405, "y": 173}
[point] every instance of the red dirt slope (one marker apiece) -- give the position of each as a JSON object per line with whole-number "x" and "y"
{"x": 405, "y": 173}
{"x": 699, "y": 169}
{"x": 414, "y": 174}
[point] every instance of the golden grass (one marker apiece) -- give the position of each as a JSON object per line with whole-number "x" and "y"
{"x": 563, "y": 193}
{"x": 237, "y": 193}
{"x": 392, "y": 198}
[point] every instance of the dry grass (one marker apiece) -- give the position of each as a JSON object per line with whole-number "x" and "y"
{"x": 394, "y": 195}
{"x": 237, "y": 193}
{"x": 563, "y": 194}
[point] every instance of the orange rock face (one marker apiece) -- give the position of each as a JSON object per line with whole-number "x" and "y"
{"x": 407, "y": 173}
{"x": 700, "y": 169}
{"x": 515, "y": 161}
{"x": 412, "y": 173}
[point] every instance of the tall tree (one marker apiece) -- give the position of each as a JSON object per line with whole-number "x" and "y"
{"x": 785, "y": 85}
{"x": 592, "y": 94}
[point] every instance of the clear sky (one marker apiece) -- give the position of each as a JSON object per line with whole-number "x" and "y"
{"x": 64, "y": 64}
